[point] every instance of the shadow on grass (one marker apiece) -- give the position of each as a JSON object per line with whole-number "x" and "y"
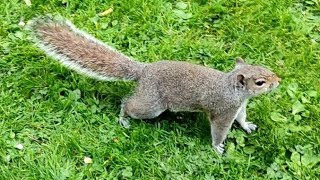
{"x": 193, "y": 125}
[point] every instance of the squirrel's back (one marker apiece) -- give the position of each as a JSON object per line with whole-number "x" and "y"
{"x": 181, "y": 83}
{"x": 177, "y": 71}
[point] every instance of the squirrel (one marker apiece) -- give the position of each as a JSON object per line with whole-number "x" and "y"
{"x": 163, "y": 85}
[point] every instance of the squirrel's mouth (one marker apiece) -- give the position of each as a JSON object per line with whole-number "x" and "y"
{"x": 274, "y": 85}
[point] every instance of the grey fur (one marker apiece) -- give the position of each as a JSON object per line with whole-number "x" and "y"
{"x": 172, "y": 85}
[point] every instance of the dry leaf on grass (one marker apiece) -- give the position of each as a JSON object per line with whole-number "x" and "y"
{"x": 106, "y": 12}
{"x": 28, "y": 2}
{"x": 87, "y": 160}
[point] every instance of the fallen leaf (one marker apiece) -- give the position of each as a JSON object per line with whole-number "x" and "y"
{"x": 28, "y": 2}
{"x": 87, "y": 160}
{"x": 106, "y": 12}
{"x": 19, "y": 146}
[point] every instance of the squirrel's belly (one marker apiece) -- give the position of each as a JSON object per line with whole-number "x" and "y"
{"x": 180, "y": 108}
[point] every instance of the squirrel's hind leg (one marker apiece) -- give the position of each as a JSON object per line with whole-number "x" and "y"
{"x": 123, "y": 119}
{"x": 140, "y": 107}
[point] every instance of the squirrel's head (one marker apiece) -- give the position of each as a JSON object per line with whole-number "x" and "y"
{"x": 254, "y": 79}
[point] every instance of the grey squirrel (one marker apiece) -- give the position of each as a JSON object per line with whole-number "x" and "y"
{"x": 162, "y": 85}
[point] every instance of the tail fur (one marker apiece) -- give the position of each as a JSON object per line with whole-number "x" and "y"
{"x": 81, "y": 52}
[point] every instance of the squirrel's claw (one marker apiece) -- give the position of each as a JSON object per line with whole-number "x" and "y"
{"x": 219, "y": 148}
{"x": 250, "y": 127}
{"x": 124, "y": 122}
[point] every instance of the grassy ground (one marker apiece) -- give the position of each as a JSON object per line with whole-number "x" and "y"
{"x": 61, "y": 117}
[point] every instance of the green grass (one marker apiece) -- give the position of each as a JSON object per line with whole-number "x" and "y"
{"x": 60, "y": 117}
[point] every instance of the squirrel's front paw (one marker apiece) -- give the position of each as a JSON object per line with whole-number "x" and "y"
{"x": 124, "y": 122}
{"x": 250, "y": 127}
{"x": 219, "y": 148}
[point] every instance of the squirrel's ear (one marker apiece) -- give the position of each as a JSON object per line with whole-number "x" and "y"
{"x": 240, "y": 81}
{"x": 239, "y": 62}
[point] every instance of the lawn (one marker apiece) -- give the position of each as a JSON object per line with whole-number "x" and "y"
{"x": 61, "y": 117}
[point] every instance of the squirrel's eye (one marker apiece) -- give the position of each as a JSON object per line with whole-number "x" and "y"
{"x": 260, "y": 83}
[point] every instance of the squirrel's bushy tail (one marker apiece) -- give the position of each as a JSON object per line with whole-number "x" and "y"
{"x": 81, "y": 52}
